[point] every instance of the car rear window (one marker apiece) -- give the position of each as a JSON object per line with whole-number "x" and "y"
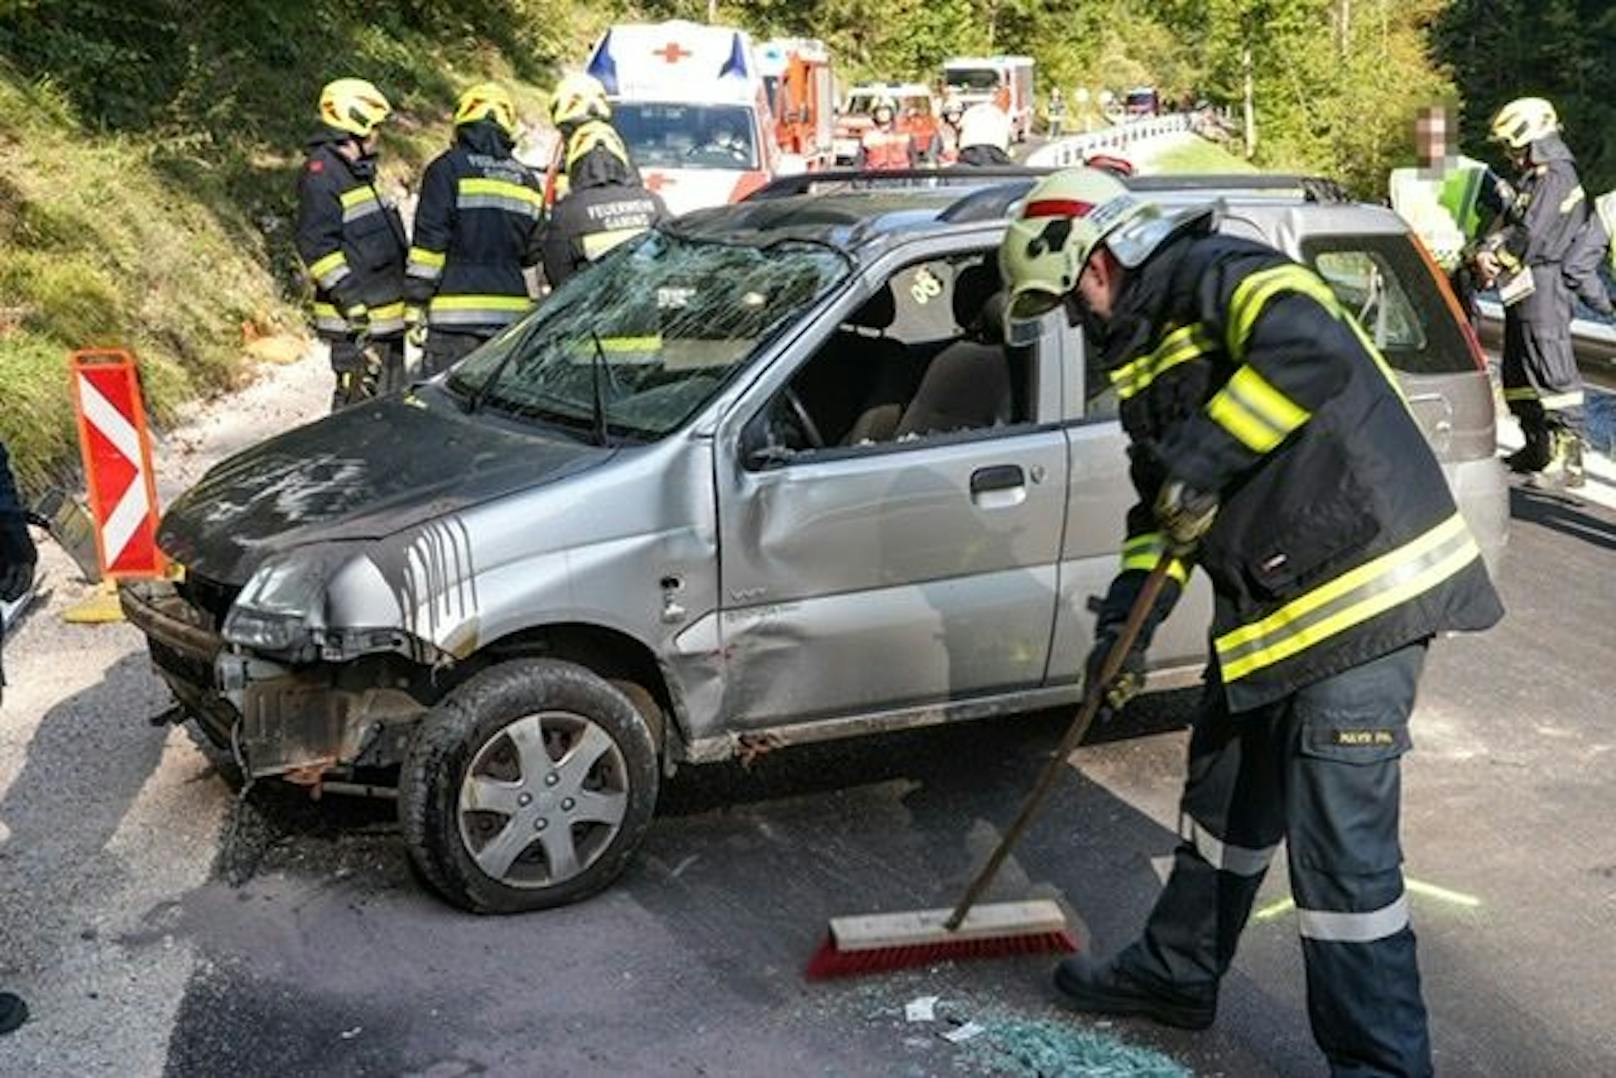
{"x": 1389, "y": 288}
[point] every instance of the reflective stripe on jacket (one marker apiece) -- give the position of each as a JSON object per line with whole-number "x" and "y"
{"x": 351, "y": 240}
{"x": 1337, "y": 540}
{"x": 477, "y": 226}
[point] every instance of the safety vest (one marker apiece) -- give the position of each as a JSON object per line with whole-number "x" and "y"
{"x": 1605, "y": 207}
{"x": 1443, "y": 210}
{"x": 1239, "y": 373}
{"x": 884, "y": 150}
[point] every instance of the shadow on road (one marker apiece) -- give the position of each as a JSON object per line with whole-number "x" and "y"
{"x": 1561, "y": 513}
{"x": 86, "y": 764}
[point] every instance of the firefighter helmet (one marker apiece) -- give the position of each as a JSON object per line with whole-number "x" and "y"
{"x": 487, "y": 101}
{"x": 1063, "y": 220}
{"x": 595, "y": 135}
{"x": 579, "y": 99}
{"x": 1523, "y": 121}
{"x": 354, "y": 106}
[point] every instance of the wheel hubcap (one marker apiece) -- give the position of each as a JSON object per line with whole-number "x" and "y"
{"x": 542, "y": 799}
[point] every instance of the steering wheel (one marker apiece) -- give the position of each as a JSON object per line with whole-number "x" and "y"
{"x": 810, "y": 429}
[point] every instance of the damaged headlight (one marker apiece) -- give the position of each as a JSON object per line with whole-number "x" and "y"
{"x": 274, "y": 611}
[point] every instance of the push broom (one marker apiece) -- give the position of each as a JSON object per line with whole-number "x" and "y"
{"x": 877, "y": 943}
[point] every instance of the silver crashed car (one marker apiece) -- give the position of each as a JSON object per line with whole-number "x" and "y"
{"x": 767, "y": 475}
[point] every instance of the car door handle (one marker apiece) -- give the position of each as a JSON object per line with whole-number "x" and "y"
{"x": 998, "y": 477}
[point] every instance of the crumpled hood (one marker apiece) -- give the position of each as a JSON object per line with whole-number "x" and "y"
{"x": 363, "y": 473}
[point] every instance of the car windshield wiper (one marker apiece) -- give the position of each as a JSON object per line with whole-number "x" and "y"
{"x": 597, "y": 364}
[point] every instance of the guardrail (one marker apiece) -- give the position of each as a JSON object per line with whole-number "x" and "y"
{"x": 1593, "y": 341}
{"x": 1072, "y": 149}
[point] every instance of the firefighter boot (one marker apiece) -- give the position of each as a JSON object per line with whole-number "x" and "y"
{"x": 1107, "y": 988}
{"x": 1575, "y": 474}
{"x": 1535, "y": 455}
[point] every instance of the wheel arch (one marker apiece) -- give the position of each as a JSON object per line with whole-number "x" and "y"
{"x": 614, "y": 655}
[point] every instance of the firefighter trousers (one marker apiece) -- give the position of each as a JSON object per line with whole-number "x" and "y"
{"x": 1542, "y": 385}
{"x": 372, "y": 369}
{"x": 1318, "y": 770}
{"x": 443, "y": 349}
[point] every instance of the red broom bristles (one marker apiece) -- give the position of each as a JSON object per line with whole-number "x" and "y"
{"x": 828, "y": 961}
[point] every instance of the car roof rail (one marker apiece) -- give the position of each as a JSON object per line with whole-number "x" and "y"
{"x": 804, "y": 182}
{"x": 1312, "y": 188}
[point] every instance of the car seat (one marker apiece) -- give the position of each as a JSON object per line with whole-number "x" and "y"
{"x": 969, "y": 385}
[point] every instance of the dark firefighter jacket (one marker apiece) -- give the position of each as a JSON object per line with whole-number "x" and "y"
{"x": 351, "y": 241}
{"x": 477, "y": 227}
{"x": 604, "y": 206}
{"x": 1542, "y": 229}
{"x": 1337, "y": 541}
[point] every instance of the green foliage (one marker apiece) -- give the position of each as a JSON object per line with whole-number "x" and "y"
{"x": 1558, "y": 49}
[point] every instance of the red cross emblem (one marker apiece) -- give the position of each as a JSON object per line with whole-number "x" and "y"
{"x": 672, "y": 52}
{"x": 656, "y": 181}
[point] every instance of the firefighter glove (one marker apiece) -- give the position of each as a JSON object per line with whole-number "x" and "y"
{"x": 415, "y": 326}
{"x": 358, "y": 319}
{"x": 1185, "y": 514}
{"x": 1129, "y": 680}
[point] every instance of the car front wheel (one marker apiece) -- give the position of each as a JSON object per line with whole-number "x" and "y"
{"x": 529, "y": 786}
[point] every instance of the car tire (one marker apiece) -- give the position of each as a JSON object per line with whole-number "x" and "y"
{"x": 528, "y": 762}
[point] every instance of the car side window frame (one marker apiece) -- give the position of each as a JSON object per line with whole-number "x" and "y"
{"x": 1048, "y": 376}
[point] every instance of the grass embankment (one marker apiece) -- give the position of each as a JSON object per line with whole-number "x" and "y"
{"x": 147, "y": 167}
{"x": 1200, "y": 156}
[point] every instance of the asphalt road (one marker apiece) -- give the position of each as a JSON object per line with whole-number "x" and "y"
{"x": 153, "y": 935}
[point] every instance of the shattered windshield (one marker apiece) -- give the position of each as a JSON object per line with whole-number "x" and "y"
{"x": 636, "y": 343}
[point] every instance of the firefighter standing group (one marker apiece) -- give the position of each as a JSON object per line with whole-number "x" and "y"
{"x": 481, "y": 222}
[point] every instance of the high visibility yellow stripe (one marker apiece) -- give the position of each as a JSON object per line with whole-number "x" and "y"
{"x": 327, "y": 309}
{"x": 435, "y": 259}
{"x": 1254, "y": 293}
{"x": 597, "y": 244}
{"x": 323, "y": 266}
{"x": 479, "y": 303}
{"x": 1144, "y": 551}
{"x": 477, "y": 185}
{"x": 1520, "y": 393}
{"x": 1341, "y": 585}
{"x": 1250, "y": 430}
{"x": 1378, "y": 603}
{"x": 387, "y": 311}
{"x": 1276, "y": 409}
{"x": 1180, "y": 346}
{"x": 350, "y": 199}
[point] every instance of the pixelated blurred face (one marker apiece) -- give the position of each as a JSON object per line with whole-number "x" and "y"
{"x": 1431, "y": 135}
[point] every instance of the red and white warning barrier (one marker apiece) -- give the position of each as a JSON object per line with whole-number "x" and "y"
{"x": 117, "y": 462}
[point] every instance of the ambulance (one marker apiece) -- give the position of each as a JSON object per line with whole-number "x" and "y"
{"x": 690, "y": 103}
{"x": 1005, "y": 81}
{"x": 801, "y": 89}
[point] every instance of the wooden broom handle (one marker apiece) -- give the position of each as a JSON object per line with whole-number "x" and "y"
{"x": 1093, "y": 696}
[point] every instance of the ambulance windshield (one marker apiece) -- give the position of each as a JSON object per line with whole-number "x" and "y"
{"x": 972, "y": 79}
{"x": 668, "y": 135}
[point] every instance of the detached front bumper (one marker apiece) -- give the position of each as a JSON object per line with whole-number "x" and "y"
{"x": 309, "y": 719}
